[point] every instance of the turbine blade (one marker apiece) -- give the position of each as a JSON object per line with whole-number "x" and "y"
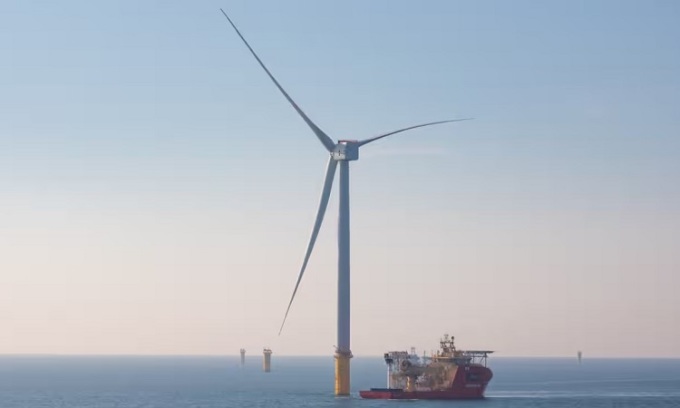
{"x": 323, "y": 203}
{"x": 373, "y": 139}
{"x": 324, "y": 138}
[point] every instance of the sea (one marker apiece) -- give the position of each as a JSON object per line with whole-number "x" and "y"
{"x": 39, "y": 381}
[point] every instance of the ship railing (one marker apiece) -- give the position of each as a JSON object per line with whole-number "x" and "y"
{"x": 477, "y": 356}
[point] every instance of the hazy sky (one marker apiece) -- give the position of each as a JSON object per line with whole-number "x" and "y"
{"x": 157, "y": 192}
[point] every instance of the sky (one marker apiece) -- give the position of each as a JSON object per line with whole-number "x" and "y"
{"x": 157, "y": 192}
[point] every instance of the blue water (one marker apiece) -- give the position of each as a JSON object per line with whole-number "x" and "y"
{"x": 207, "y": 382}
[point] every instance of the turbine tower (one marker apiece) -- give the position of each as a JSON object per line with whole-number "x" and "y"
{"x": 267, "y": 360}
{"x": 341, "y": 153}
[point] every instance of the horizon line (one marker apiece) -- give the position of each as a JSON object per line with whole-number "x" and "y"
{"x": 318, "y": 355}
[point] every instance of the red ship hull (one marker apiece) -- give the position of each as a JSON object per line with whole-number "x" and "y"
{"x": 420, "y": 395}
{"x": 461, "y": 388}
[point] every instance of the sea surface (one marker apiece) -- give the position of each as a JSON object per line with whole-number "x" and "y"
{"x": 212, "y": 382}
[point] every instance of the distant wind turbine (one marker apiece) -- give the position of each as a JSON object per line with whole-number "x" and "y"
{"x": 341, "y": 152}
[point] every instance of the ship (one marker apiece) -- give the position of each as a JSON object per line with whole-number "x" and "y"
{"x": 447, "y": 374}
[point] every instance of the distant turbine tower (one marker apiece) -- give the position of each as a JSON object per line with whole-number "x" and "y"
{"x": 343, "y": 152}
{"x": 267, "y": 360}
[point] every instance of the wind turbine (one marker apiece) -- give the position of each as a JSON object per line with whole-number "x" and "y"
{"x": 342, "y": 152}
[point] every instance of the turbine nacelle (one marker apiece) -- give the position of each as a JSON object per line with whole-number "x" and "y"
{"x": 346, "y": 150}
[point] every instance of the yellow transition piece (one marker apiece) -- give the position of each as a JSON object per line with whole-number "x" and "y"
{"x": 342, "y": 373}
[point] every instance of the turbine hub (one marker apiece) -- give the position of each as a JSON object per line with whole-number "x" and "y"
{"x": 346, "y": 150}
